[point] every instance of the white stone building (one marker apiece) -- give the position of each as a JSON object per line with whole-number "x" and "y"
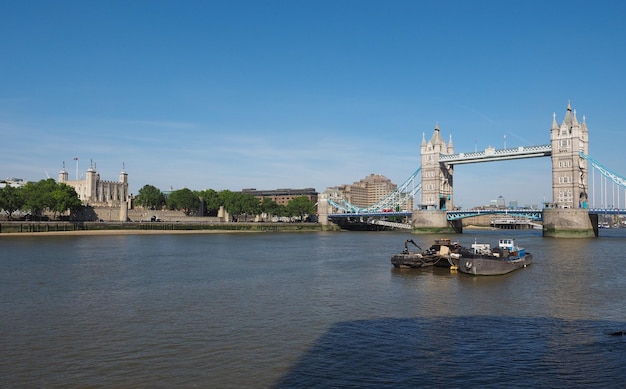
{"x": 95, "y": 192}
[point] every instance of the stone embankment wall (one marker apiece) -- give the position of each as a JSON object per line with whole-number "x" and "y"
{"x": 137, "y": 215}
{"x": 112, "y": 214}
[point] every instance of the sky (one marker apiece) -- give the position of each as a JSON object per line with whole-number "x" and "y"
{"x": 298, "y": 94}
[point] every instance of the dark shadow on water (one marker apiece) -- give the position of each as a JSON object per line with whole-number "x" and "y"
{"x": 476, "y": 351}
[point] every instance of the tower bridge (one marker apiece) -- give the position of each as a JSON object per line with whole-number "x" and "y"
{"x": 568, "y": 215}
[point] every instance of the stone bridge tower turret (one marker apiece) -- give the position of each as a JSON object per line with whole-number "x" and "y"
{"x": 436, "y": 177}
{"x": 570, "y": 181}
{"x": 567, "y": 217}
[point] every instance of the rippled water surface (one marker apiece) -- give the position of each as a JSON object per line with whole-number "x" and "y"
{"x": 306, "y": 310}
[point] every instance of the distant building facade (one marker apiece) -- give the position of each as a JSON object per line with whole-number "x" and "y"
{"x": 282, "y": 196}
{"x": 365, "y": 192}
{"x": 12, "y": 182}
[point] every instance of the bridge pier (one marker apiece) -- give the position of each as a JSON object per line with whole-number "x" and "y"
{"x": 569, "y": 223}
{"x": 323, "y": 209}
{"x": 433, "y": 222}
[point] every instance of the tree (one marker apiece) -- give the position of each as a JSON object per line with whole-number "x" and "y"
{"x": 248, "y": 204}
{"x": 227, "y": 199}
{"x": 38, "y": 196}
{"x": 11, "y": 200}
{"x": 270, "y": 207}
{"x": 65, "y": 198}
{"x": 238, "y": 204}
{"x": 301, "y": 207}
{"x": 212, "y": 202}
{"x": 150, "y": 197}
{"x": 183, "y": 200}
{"x": 49, "y": 195}
{"x": 282, "y": 210}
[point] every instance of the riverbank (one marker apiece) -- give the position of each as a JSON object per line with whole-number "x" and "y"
{"x": 122, "y": 232}
{"x": 105, "y": 228}
{"x": 147, "y": 228}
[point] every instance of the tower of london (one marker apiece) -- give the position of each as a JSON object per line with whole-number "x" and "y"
{"x": 94, "y": 192}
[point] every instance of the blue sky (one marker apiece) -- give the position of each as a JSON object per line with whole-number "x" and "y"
{"x": 295, "y": 94}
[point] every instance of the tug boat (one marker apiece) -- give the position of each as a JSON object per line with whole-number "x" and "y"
{"x": 482, "y": 260}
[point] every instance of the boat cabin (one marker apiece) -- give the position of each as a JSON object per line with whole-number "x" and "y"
{"x": 510, "y": 249}
{"x": 508, "y": 244}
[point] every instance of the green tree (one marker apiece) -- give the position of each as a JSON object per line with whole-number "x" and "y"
{"x": 183, "y": 200}
{"x": 38, "y": 196}
{"x": 300, "y": 207}
{"x": 227, "y": 199}
{"x": 248, "y": 205}
{"x": 65, "y": 198}
{"x": 11, "y": 200}
{"x": 239, "y": 205}
{"x": 212, "y": 201}
{"x": 282, "y": 210}
{"x": 49, "y": 195}
{"x": 150, "y": 197}
{"x": 270, "y": 207}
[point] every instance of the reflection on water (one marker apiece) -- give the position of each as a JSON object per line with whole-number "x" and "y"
{"x": 305, "y": 310}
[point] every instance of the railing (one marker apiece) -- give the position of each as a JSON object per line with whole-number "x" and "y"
{"x": 603, "y": 211}
{"x": 370, "y": 214}
{"x": 533, "y": 214}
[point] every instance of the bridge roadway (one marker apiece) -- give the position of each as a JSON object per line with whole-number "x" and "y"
{"x": 492, "y": 154}
{"x": 533, "y": 214}
{"x": 369, "y": 214}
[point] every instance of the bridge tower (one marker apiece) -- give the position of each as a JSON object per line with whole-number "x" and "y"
{"x": 570, "y": 181}
{"x": 568, "y": 215}
{"x": 437, "y": 198}
{"x": 436, "y": 177}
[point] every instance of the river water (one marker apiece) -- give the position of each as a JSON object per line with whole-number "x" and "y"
{"x": 306, "y": 310}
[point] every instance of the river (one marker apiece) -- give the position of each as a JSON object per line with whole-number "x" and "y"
{"x": 306, "y": 310}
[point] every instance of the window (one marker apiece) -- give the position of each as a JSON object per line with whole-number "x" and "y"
{"x": 565, "y": 196}
{"x": 564, "y": 144}
{"x": 565, "y": 163}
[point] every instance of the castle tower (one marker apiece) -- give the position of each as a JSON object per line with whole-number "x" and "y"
{"x": 123, "y": 175}
{"x": 63, "y": 175}
{"x": 123, "y": 186}
{"x": 436, "y": 177}
{"x": 570, "y": 179}
{"x": 91, "y": 183}
{"x": 125, "y": 204}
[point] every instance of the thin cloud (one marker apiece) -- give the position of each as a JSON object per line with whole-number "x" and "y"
{"x": 160, "y": 124}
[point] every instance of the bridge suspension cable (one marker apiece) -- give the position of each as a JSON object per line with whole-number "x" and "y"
{"x": 397, "y": 198}
{"x": 604, "y": 170}
{"x": 608, "y": 174}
